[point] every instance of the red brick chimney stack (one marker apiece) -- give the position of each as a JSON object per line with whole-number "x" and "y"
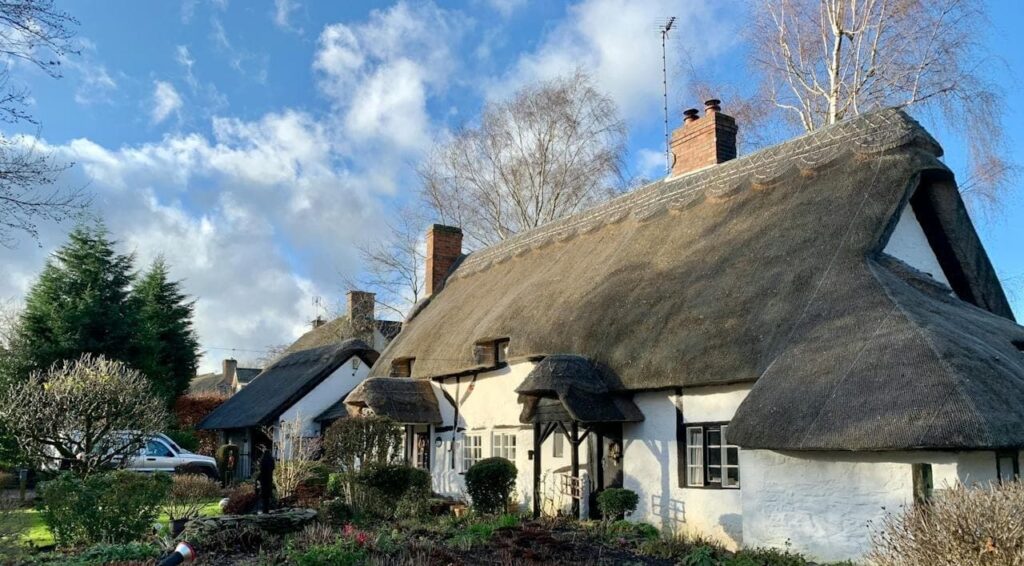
{"x": 703, "y": 142}
{"x": 444, "y": 247}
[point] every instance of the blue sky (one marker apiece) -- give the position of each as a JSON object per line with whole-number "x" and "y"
{"x": 254, "y": 143}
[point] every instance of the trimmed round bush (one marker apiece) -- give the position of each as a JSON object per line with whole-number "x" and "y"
{"x": 489, "y": 483}
{"x": 616, "y": 502}
{"x": 395, "y": 481}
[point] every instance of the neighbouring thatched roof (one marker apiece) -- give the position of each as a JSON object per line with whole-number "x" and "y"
{"x": 282, "y": 384}
{"x": 766, "y": 268}
{"x": 341, "y": 329}
{"x": 407, "y": 401}
{"x": 584, "y": 390}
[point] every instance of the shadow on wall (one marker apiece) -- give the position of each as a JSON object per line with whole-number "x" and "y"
{"x": 670, "y": 512}
{"x": 732, "y": 524}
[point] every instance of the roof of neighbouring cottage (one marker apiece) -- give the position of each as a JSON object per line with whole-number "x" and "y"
{"x": 766, "y": 268}
{"x": 283, "y": 383}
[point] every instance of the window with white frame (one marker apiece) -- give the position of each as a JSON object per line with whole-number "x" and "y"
{"x": 503, "y": 445}
{"x": 472, "y": 450}
{"x": 710, "y": 461}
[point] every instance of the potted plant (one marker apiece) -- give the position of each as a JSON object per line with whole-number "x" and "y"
{"x": 189, "y": 493}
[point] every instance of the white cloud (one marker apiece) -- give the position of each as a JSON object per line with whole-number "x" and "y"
{"x": 96, "y": 85}
{"x": 380, "y": 73}
{"x": 256, "y": 219}
{"x": 166, "y": 101}
{"x": 184, "y": 58}
{"x": 617, "y": 42}
{"x": 283, "y": 12}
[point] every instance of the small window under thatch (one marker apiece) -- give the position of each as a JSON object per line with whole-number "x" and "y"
{"x": 491, "y": 352}
{"x": 402, "y": 367}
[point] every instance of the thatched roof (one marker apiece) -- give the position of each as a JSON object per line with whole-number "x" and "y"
{"x": 282, "y": 384}
{"x": 407, "y": 401}
{"x": 583, "y": 389}
{"x": 765, "y": 267}
{"x": 341, "y": 329}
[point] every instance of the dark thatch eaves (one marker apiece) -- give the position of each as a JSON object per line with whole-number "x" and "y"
{"x": 579, "y": 387}
{"x": 282, "y": 384}
{"x": 767, "y": 268}
{"x": 407, "y": 401}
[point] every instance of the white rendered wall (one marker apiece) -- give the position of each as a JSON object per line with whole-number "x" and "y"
{"x": 822, "y": 503}
{"x": 487, "y": 406}
{"x": 650, "y": 459}
{"x": 327, "y": 393}
{"x": 909, "y": 244}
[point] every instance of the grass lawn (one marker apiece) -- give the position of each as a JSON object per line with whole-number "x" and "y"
{"x": 35, "y": 532}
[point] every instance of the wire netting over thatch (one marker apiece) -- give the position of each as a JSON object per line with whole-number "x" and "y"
{"x": 768, "y": 268}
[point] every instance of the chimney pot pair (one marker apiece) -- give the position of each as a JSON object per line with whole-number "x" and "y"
{"x": 703, "y": 142}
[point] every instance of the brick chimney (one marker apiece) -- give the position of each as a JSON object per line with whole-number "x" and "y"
{"x": 444, "y": 246}
{"x": 703, "y": 142}
{"x": 230, "y": 373}
{"x": 361, "y": 306}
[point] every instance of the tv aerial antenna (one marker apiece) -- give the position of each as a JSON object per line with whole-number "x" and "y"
{"x": 663, "y": 28}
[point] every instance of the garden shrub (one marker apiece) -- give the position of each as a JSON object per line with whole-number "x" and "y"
{"x": 328, "y": 555}
{"x": 189, "y": 493}
{"x": 238, "y": 539}
{"x": 978, "y": 525}
{"x": 190, "y": 410}
{"x": 489, "y": 483}
{"x": 186, "y": 439}
{"x": 358, "y": 442}
{"x": 115, "y": 507}
{"x": 335, "y": 512}
{"x": 241, "y": 500}
{"x": 336, "y": 485}
{"x": 387, "y": 490}
{"x": 615, "y": 502}
{"x": 768, "y": 557}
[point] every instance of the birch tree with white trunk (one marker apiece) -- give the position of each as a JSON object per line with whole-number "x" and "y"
{"x": 827, "y": 60}
{"x": 552, "y": 149}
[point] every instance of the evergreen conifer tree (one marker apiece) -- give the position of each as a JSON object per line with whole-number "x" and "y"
{"x": 170, "y": 348}
{"x": 82, "y": 303}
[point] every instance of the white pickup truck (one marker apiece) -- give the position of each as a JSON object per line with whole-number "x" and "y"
{"x": 161, "y": 454}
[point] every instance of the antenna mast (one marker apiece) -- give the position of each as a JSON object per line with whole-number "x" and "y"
{"x": 664, "y": 29}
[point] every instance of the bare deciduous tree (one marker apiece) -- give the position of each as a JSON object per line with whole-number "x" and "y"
{"x": 35, "y": 33}
{"x": 393, "y": 268}
{"x": 297, "y": 455}
{"x": 550, "y": 150}
{"x": 85, "y": 414}
{"x": 827, "y": 60}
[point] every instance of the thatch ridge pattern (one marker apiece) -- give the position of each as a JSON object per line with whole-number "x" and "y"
{"x": 872, "y": 133}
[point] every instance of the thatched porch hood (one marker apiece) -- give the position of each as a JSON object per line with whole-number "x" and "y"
{"x": 766, "y": 268}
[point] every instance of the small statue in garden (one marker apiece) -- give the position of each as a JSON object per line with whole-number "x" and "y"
{"x": 265, "y": 480}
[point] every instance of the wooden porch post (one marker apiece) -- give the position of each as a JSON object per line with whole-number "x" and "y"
{"x": 600, "y": 462}
{"x": 536, "y": 469}
{"x": 575, "y": 441}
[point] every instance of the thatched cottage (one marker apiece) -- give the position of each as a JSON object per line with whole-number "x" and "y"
{"x": 782, "y": 346}
{"x": 308, "y": 383}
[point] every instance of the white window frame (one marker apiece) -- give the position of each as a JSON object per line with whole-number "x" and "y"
{"x": 472, "y": 450}
{"x": 698, "y": 449}
{"x": 503, "y": 444}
